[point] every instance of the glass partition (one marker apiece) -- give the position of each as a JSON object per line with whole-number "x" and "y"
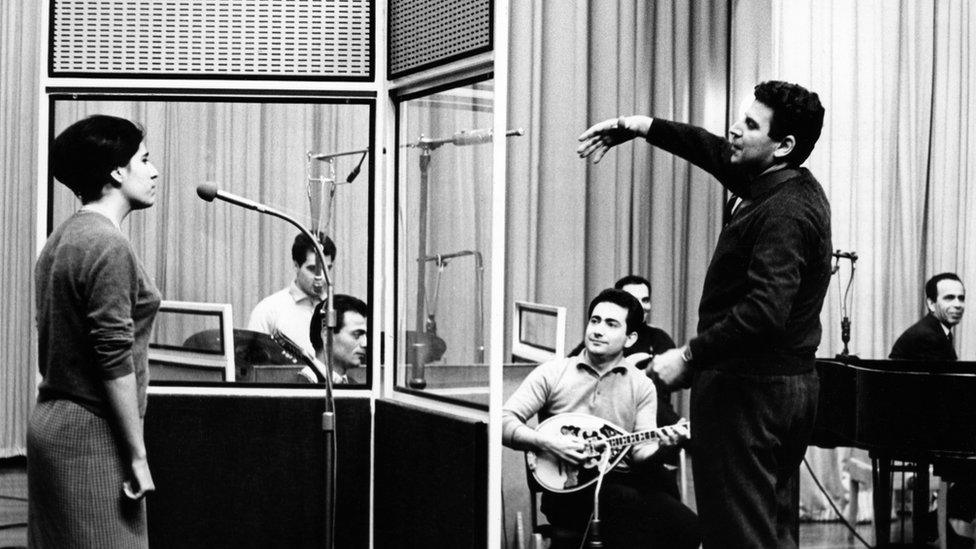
{"x": 444, "y": 182}
{"x": 281, "y": 152}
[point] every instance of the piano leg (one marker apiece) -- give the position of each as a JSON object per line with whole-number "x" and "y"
{"x": 920, "y": 502}
{"x": 881, "y": 498}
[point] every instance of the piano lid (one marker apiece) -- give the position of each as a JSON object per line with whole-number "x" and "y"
{"x": 905, "y": 407}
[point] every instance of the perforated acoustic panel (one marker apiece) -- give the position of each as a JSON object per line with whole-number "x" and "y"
{"x": 424, "y": 33}
{"x": 291, "y": 39}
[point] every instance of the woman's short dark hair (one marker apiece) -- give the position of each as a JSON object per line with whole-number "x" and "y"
{"x": 635, "y": 313}
{"x": 85, "y": 154}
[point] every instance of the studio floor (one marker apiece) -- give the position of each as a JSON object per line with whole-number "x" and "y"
{"x": 13, "y": 503}
{"x": 13, "y": 517}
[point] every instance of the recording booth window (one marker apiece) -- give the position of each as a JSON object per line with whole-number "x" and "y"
{"x": 216, "y": 258}
{"x": 443, "y": 254}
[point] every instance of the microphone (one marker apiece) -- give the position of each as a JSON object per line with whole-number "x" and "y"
{"x": 209, "y": 191}
{"x": 464, "y": 137}
{"x": 355, "y": 171}
{"x": 315, "y": 202}
{"x": 845, "y": 255}
{"x": 472, "y": 137}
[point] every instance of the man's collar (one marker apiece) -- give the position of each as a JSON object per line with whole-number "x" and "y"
{"x": 766, "y": 182}
{"x": 583, "y": 359}
{"x": 297, "y": 294}
{"x": 945, "y": 328}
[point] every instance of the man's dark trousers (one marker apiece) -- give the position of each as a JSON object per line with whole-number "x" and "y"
{"x": 749, "y": 436}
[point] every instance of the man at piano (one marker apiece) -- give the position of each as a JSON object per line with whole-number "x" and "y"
{"x": 635, "y": 510}
{"x": 931, "y": 339}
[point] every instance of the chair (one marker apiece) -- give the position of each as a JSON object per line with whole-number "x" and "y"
{"x": 860, "y": 475}
{"x": 949, "y": 470}
{"x": 545, "y": 535}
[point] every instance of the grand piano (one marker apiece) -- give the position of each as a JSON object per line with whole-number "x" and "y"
{"x": 900, "y": 410}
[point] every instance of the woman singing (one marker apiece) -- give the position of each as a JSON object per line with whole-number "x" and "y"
{"x": 86, "y": 458}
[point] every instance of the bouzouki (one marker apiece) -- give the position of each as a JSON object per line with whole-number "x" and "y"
{"x": 301, "y": 355}
{"x": 557, "y": 475}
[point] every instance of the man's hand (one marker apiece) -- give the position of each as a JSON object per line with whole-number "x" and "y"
{"x": 140, "y": 480}
{"x": 597, "y": 140}
{"x": 671, "y": 367}
{"x": 568, "y": 448}
{"x": 673, "y": 435}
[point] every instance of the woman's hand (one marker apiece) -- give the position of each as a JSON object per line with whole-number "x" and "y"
{"x": 140, "y": 480}
{"x": 599, "y": 138}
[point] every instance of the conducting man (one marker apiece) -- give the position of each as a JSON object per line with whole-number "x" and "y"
{"x": 751, "y": 366}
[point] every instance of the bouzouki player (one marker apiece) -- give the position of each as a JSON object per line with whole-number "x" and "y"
{"x": 635, "y": 510}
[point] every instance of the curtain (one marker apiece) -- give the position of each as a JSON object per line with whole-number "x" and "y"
{"x": 457, "y": 214}
{"x": 19, "y": 41}
{"x": 895, "y": 158}
{"x": 574, "y": 227}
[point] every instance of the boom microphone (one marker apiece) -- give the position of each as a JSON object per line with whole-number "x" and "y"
{"x": 464, "y": 137}
{"x": 209, "y": 191}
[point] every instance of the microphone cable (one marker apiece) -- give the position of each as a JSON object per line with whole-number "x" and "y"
{"x": 830, "y": 500}
{"x": 355, "y": 171}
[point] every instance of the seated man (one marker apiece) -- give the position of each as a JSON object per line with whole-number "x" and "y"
{"x": 634, "y": 510}
{"x": 349, "y": 339}
{"x": 931, "y": 339}
{"x": 650, "y": 341}
{"x": 289, "y": 310}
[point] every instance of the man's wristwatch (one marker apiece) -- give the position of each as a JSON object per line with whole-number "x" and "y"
{"x": 686, "y": 353}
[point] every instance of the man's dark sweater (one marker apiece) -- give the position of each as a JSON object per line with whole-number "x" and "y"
{"x": 924, "y": 340}
{"x": 765, "y": 286}
{"x": 754, "y": 388}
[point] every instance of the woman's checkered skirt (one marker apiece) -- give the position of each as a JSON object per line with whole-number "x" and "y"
{"x": 74, "y": 482}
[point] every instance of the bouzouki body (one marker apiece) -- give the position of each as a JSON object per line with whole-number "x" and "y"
{"x": 559, "y": 476}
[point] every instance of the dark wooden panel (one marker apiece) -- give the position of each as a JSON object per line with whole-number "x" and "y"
{"x": 431, "y": 481}
{"x": 249, "y": 471}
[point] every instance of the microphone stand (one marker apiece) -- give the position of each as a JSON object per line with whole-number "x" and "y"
{"x": 328, "y": 416}
{"x": 594, "y": 541}
{"x": 845, "y": 321}
{"x": 426, "y": 145}
{"x": 479, "y": 335}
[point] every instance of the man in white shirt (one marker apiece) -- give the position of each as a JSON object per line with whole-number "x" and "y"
{"x": 289, "y": 310}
